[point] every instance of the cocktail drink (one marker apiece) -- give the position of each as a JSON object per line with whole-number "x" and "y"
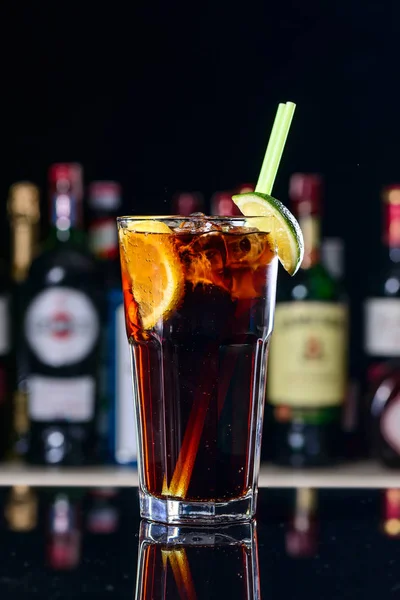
{"x": 199, "y": 295}
{"x": 197, "y": 563}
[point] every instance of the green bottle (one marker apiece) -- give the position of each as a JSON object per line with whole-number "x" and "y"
{"x": 307, "y": 367}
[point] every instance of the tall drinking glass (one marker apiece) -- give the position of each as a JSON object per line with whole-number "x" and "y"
{"x": 199, "y": 297}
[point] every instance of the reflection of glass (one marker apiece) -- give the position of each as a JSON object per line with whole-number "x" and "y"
{"x": 301, "y": 538}
{"x": 199, "y": 296}
{"x": 190, "y": 563}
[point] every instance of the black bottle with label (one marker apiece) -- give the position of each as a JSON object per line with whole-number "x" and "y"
{"x": 61, "y": 328}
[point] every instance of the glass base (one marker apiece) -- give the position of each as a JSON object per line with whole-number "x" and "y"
{"x": 176, "y": 512}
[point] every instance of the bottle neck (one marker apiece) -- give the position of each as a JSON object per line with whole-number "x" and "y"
{"x": 66, "y": 216}
{"x": 391, "y": 230}
{"x": 24, "y": 241}
{"x": 310, "y": 226}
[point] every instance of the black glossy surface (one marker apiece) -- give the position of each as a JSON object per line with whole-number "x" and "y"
{"x": 352, "y": 558}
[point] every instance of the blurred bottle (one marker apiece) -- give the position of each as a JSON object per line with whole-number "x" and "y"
{"x": 103, "y": 512}
{"x": 382, "y": 306}
{"x": 21, "y": 509}
{"x": 385, "y": 414}
{"x": 301, "y": 539}
{"x": 104, "y": 201}
{"x": 61, "y": 331}
{"x": 118, "y": 430}
{"x": 222, "y": 205}
{"x": 186, "y": 203}
{"x": 390, "y": 520}
{"x": 307, "y": 370}
{"x": 64, "y": 535}
{"x": 7, "y": 356}
{"x": 24, "y": 216}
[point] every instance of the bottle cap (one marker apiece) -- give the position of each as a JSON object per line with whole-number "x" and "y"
{"x": 70, "y": 173}
{"x": 23, "y": 201}
{"x": 245, "y": 188}
{"x": 186, "y": 203}
{"x": 105, "y": 195}
{"x": 391, "y": 193}
{"x": 305, "y": 190}
{"x": 222, "y": 205}
{"x": 391, "y": 229}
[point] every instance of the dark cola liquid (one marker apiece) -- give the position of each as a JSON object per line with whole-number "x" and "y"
{"x": 199, "y": 369}
{"x": 195, "y": 572}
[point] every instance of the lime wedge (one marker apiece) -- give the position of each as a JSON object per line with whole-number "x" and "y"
{"x": 276, "y": 219}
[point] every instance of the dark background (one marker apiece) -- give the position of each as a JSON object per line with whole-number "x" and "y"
{"x": 177, "y": 94}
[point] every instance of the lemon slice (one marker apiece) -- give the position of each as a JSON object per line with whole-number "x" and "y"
{"x": 148, "y": 226}
{"x": 276, "y": 219}
{"x": 153, "y": 267}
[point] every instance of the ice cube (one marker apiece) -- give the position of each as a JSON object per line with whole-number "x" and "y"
{"x": 210, "y": 246}
{"x": 205, "y": 259}
{"x": 198, "y": 224}
{"x": 244, "y": 249}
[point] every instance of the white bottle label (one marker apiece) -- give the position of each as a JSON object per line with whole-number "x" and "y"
{"x": 4, "y": 325}
{"x": 61, "y": 399}
{"x": 61, "y": 326}
{"x": 390, "y": 425}
{"x": 308, "y": 355}
{"x": 382, "y": 327}
{"x": 125, "y": 422}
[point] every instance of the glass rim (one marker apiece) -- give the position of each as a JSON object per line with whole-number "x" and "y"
{"x": 235, "y": 218}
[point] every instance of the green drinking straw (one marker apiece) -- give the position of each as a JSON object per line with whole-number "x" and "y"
{"x": 276, "y": 144}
